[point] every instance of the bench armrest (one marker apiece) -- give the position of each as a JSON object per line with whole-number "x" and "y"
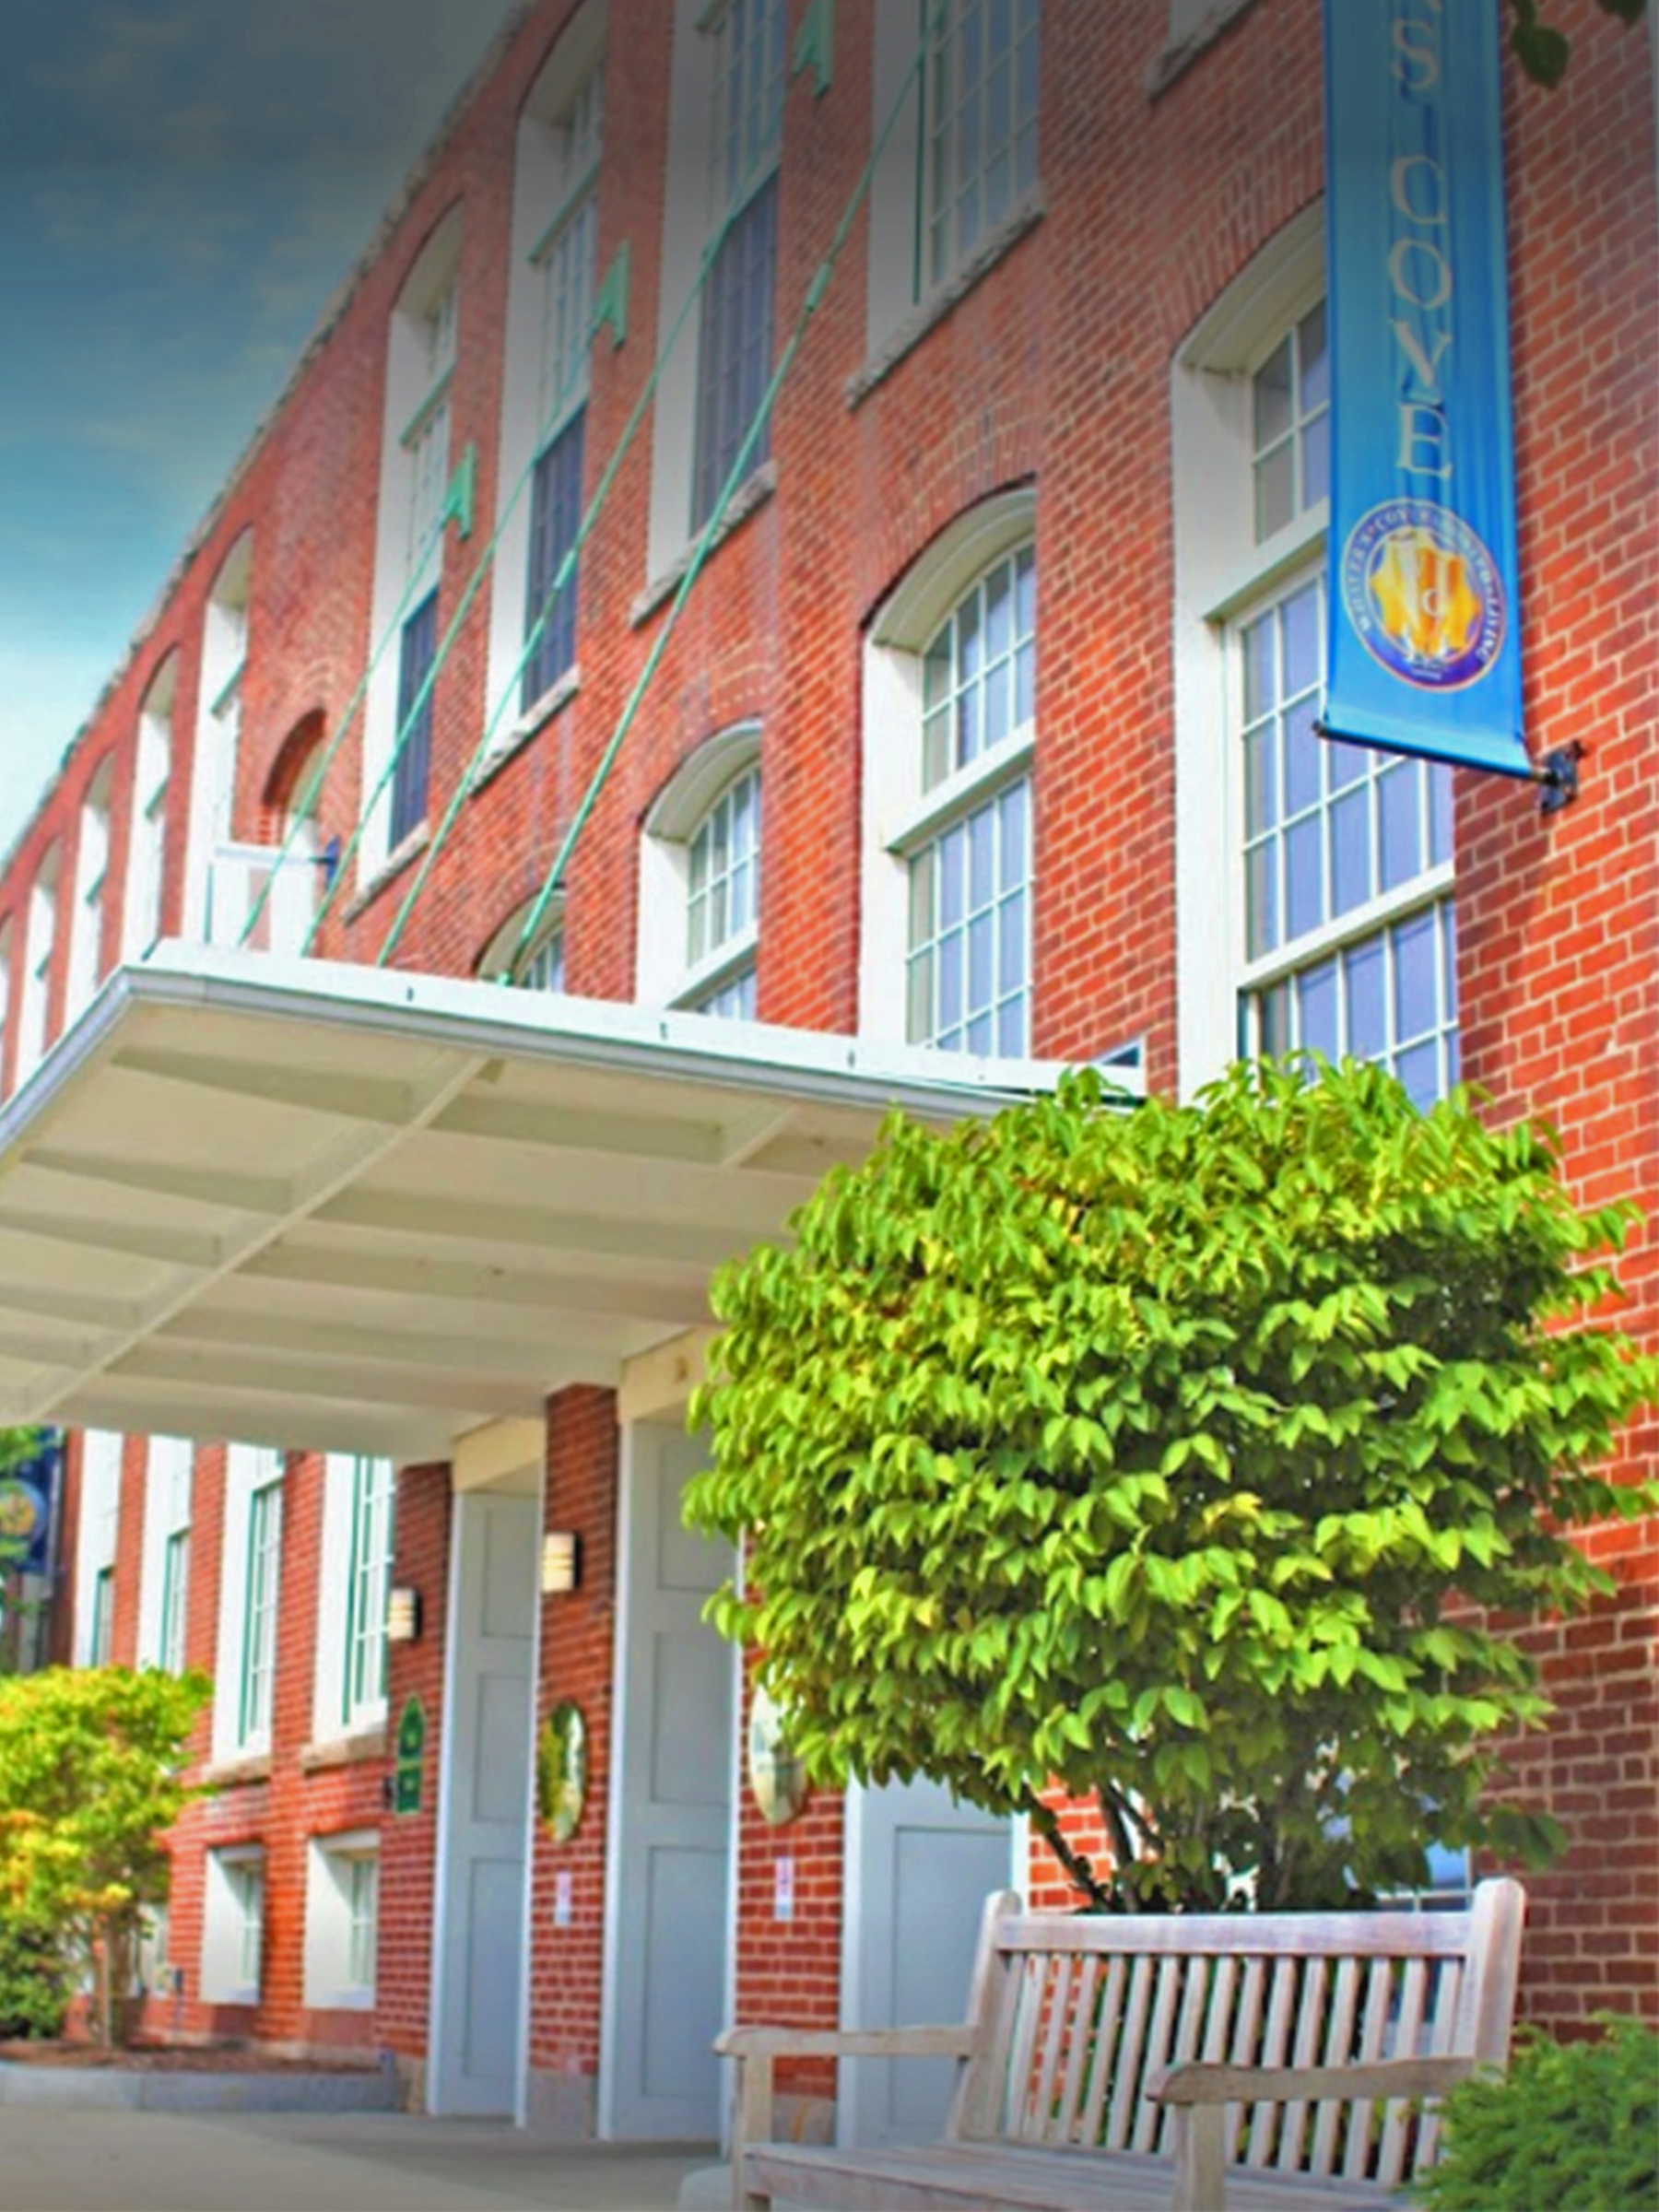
{"x": 1206, "y": 2081}
{"x": 1197, "y": 2091}
{"x": 756, "y": 2049}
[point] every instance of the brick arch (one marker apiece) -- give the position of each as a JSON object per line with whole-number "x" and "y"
{"x": 913, "y": 533}
{"x": 284, "y": 781}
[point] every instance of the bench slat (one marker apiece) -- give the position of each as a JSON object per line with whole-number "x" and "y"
{"x": 1104, "y": 2058}
{"x": 1338, "y": 2042}
{"x": 1085, "y": 2003}
{"x": 1413, "y": 1993}
{"x": 1128, "y": 2067}
{"x": 1025, "y": 2179}
{"x": 1243, "y": 1934}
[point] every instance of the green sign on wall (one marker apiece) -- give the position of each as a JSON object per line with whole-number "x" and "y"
{"x": 410, "y": 1758}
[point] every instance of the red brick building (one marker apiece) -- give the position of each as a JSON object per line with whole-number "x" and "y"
{"x": 982, "y": 739}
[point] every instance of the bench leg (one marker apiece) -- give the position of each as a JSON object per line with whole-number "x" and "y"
{"x": 754, "y": 2125}
{"x": 1200, "y": 2158}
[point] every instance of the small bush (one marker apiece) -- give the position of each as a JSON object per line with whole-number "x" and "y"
{"x": 33, "y": 1983}
{"x": 1572, "y": 2128}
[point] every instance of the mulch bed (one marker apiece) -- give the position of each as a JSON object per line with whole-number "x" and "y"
{"x": 180, "y": 2058}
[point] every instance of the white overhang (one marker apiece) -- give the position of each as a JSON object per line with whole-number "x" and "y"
{"x": 335, "y": 1207}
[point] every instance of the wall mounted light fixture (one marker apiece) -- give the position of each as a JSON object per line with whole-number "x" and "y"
{"x": 403, "y": 1614}
{"x": 560, "y": 1562}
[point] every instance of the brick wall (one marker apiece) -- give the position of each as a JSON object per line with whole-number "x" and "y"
{"x": 1053, "y": 371}
{"x": 578, "y": 1632}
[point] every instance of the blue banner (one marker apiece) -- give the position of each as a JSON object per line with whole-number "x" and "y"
{"x": 27, "y": 1494}
{"x": 1424, "y": 621}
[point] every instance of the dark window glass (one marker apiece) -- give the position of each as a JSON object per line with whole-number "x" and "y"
{"x": 409, "y": 777}
{"x": 555, "y": 518}
{"x": 736, "y": 359}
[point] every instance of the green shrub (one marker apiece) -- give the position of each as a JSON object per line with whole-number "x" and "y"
{"x": 33, "y": 1982}
{"x": 1572, "y": 2128}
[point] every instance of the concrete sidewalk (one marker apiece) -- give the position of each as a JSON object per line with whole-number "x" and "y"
{"x": 97, "y": 2161}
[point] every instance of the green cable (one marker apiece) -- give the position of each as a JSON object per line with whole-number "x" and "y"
{"x": 815, "y": 293}
{"x": 567, "y": 566}
{"x": 313, "y": 784}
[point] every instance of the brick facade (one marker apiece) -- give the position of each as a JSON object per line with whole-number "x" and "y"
{"x": 1051, "y": 374}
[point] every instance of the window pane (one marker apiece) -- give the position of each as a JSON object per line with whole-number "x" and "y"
{"x": 979, "y": 126}
{"x": 1304, "y": 890}
{"x": 1271, "y": 395}
{"x": 1350, "y": 852}
{"x": 1316, "y": 995}
{"x": 1397, "y": 795}
{"x": 1367, "y": 1001}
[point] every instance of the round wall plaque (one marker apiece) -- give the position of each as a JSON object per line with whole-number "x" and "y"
{"x": 776, "y": 1775}
{"x": 561, "y": 1770}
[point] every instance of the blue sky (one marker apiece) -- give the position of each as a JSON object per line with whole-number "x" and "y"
{"x": 183, "y": 186}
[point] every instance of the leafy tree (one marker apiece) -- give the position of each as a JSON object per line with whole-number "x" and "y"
{"x": 90, "y": 1764}
{"x": 1152, "y": 1454}
{"x": 1543, "y": 51}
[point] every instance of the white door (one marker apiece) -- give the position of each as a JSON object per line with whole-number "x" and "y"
{"x": 919, "y": 1866}
{"x": 484, "y": 1817}
{"x": 671, "y": 1808}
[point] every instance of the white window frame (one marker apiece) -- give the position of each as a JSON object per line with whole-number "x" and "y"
{"x": 241, "y": 1707}
{"x": 164, "y": 1576}
{"x": 40, "y": 943}
{"x": 91, "y": 882}
{"x": 358, "y": 1503}
{"x": 233, "y": 1911}
{"x": 555, "y": 187}
{"x": 690, "y": 219}
{"x": 96, "y": 1538}
{"x": 896, "y": 293}
{"x": 8, "y": 936}
{"x": 217, "y": 730}
{"x": 1225, "y": 578}
{"x": 664, "y": 975}
{"x": 541, "y": 966}
{"x": 147, "y": 834}
{"x": 900, "y": 815}
{"x": 339, "y": 1870}
{"x": 422, "y": 339}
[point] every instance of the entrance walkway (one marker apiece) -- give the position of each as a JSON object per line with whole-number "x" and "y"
{"x": 92, "y": 2161}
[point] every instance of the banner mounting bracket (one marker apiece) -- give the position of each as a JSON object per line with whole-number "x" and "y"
{"x": 1559, "y": 777}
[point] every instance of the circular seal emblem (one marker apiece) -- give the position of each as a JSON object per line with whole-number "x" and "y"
{"x": 1423, "y": 595}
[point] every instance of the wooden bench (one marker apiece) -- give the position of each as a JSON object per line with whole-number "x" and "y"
{"x": 1265, "y": 2063}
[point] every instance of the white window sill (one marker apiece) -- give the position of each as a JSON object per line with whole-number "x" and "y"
{"x": 1024, "y": 217}
{"x": 362, "y": 1743}
{"x": 237, "y": 1767}
{"x": 1383, "y": 911}
{"x": 1180, "y": 55}
{"x": 529, "y": 725}
{"x": 341, "y": 2000}
{"x": 1273, "y": 559}
{"x": 242, "y": 1993}
{"x": 724, "y": 961}
{"x": 396, "y": 861}
{"x": 749, "y": 495}
{"x": 961, "y": 790}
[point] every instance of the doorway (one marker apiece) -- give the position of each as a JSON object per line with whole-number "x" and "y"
{"x": 918, "y": 1867}
{"x": 484, "y": 1810}
{"x": 667, "y": 1910}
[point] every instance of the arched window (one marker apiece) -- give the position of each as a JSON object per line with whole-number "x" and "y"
{"x": 5, "y": 994}
{"x": 539, "y": 966}
{"x": 146, "y": 836}
{"x": 218, "y": 726}
{"x": 91, "y": 874}
{"x": 415, "y": 468}
{"x": 700, "y": 882}
{"x": 1314, "y": 879}
{"x": 544, "y": 406}
{"x": 950, "y": 687}
{"x": 39, "y": 943}
{"x": 725, "y": 128}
